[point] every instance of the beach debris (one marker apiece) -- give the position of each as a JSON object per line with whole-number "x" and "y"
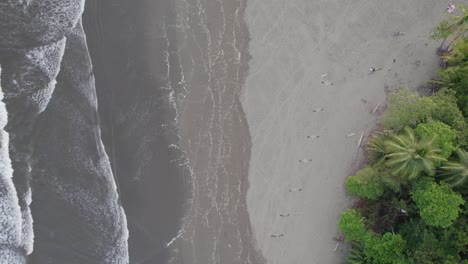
{"x": 327, "y": 82}
{"x": 295, "y": 189}
{"x": 285, "y": 215}
{"x": 305, "y": 160}
{"x": 450, "y": 8}
{"x": 324, "y": 75}
{"x": 339, "y": 237}
{"x": 375, "y": 109}
{"x": 372, "y": 69}
{"x": 359, "y": 145}
{"x": 351, "y": 135}
{"x": 336, "y": 247}
{"x": 276, "y": 235}
{"x": 318, "y": 109}
{"x": 398, "y": 33}
{"x": 364, "y": 100}
{"x": 313, "y": 136}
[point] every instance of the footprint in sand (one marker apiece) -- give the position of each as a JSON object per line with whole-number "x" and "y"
{"x": 295, "y": 190}
{"x": 276, "y": 235}
{"x": 318, "y": 109}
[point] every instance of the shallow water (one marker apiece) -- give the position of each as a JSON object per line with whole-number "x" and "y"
{"x": 169, "y": 75}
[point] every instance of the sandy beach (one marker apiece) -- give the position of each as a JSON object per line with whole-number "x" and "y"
{"x": 293, "y": 44}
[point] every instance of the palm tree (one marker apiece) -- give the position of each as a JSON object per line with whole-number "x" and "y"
{"x": 377, "y": 149}
{"x": 456, "y": 173}
{"x": 357, "y": 255}
{"x": 458, "y": 56}
{"x": 455, "y": 27}
{"x": 409, "y": 156}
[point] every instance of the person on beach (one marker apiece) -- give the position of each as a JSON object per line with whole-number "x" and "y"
{"x": 295, "y": 190}
{"x": 450, "y": 8}
{"x": 327, "y": 83}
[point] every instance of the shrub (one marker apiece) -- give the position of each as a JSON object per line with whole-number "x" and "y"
{"x": 352, "y": 225}
{"x": 448, "y": 112}
{"x": 456, "y": 78}
{"x": 406, "y": 108}
{"x": 366, "y": 183}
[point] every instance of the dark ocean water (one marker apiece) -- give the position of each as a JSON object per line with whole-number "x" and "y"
{"x": 128, "y": 142}
{"x": 138, "y": 79}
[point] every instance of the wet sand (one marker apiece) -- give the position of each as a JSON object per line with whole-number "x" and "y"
{"x": 293, "y": 43}
{"x": 169, "y": 76}
{"x": 215, "y": 134}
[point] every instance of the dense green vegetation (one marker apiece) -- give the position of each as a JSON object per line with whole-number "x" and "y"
{"x": 411, "y": 195}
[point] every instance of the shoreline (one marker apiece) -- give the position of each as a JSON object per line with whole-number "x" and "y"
{"x": 284, "y": 86}
{"x": 215, "y": 135}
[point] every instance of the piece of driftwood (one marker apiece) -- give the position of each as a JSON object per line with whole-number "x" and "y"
{"x": 359, "y": 145}
{"x": 337, "y": 244}
{"x": 375, "y": 109}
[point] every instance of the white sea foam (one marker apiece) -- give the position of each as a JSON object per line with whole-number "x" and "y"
{"x": 179, "y": 234}
{"x": 10, "y": 220}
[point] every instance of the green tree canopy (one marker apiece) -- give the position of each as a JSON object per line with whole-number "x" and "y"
{"x": 456, "y": 78}
{"x": 438, "y": 204}
{"x": 427, "y": 245}
{"x": 387, "y": 249}
{"x": 445, "y": 136}
{"x": 406, "y": 108}
{"x": 366, "y": 183}
{"x": 447, "y": 111}
{"x": 352, "y": 224}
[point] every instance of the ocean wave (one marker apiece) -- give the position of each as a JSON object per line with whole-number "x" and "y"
{"x": 11, "y": 223}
